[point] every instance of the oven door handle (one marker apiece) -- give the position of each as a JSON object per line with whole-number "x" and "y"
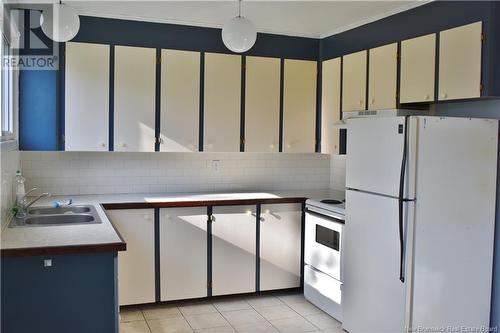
{"x": 331, "y": 218}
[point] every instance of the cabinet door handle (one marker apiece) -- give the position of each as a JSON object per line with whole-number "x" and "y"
{"x": 373, "y": 101}
{"x": 102, "y": 144}
{"x": 426, "y": 97}
{"x": 444, "y": 95}
{"x": 147, "y": 217}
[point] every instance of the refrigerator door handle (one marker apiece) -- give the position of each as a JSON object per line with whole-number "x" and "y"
{"x": 402, "y": 201}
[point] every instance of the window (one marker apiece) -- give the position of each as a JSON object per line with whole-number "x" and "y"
{"x": 6, "y": 86}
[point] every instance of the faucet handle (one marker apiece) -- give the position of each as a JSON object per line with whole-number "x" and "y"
{"x": 30, "y": 191}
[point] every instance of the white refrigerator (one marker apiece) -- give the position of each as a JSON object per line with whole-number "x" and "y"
{"x": 420, "y": 214}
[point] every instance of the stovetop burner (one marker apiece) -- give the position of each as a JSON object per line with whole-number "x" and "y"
{"x": 331, "y": 202}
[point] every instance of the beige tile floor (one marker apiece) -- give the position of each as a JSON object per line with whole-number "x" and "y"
{"x": 286, "y": 313}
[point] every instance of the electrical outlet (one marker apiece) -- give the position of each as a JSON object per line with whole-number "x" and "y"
{"x": 215, "y": 165}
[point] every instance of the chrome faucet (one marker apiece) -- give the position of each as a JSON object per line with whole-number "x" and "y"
{"x": 23, "y": 206}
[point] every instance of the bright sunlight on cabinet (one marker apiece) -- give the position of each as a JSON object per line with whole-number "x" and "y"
{"x": 183, "y": 253}
{"x": 299, "y": 118}
{"x": 280, "y": 230}
{"x": 262, "y": 109}
{"x": 180, "y": 100}
{"x": 222, "y": 102}
{"x": 134, "y": 113}
{"x": 136, "y": 265}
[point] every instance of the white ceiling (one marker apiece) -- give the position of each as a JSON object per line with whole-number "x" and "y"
{"x": 296, "y": 18}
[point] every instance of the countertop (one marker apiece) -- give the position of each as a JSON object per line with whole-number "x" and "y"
{"x": 104, "y": 237}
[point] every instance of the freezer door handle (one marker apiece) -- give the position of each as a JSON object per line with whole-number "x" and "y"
{"x": 402, "y": 201}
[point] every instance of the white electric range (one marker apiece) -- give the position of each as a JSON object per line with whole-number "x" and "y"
{"x": 325, "y": 220}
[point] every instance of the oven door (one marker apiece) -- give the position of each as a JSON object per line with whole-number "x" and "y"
{"x": 323, "y": 242}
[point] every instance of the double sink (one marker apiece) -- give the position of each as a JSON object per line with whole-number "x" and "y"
{"x": 53, "y": 216}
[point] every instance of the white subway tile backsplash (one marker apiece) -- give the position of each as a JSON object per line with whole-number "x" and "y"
{"x": 116, "y": 172}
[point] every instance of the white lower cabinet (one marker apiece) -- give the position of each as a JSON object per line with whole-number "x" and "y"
{"x": 233, "y": 250}
{"x": 280, "y": 231}
{"x": 136, "y": 265}
{"x": 183, "y": 253}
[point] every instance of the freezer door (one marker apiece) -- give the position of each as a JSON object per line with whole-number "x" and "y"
{"x": 454, "y": 222}
{"x": 375, "y": 152}
{"x": 373, "y": 296}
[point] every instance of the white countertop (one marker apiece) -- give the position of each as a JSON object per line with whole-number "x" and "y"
{"x": 104, "y": 233}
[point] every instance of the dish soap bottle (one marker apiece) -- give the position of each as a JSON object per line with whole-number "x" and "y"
{"x": 20, "y": 189}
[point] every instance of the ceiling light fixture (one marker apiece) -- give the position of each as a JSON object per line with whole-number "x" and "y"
{"x": 60, "y": 22}
{"x": 239, "y": 34}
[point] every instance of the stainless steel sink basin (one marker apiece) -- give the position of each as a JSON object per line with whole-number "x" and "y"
{"x": 50, "y": 216}
{"x": 59, "y": 219}
{"x": 59, "y": 210}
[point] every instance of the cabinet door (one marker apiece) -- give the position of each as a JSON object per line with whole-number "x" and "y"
{"x": 418, "y": 56}
{"x": 222, "y": 102}
{"x": 460, "y": 62}
{"x": 134, "y": 113}
{"x": 233, "y": 250}
{"x": 183, "y": 253}
{"x": 180, "y": 100}
{"x": 382, "y": 77}
{"x": 299, "y": 118}
{"x": 354, "y": 81}
{"x": 280, "y": 230}
{"x": 136, "y": 265}
{"x": 262, "y": 104}
{"x": 86, "y": 97}
{"x": 330, "y": 108}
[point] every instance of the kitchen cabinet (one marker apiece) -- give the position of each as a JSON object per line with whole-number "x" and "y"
{"x": 233, "y": 250}
{"x": 134, "y": 102}
{"x": 86, "y": 117}
{"x": 382, "y": 77}
{"x": 299, "y": 106}
{"x": 262, "y": 104}
{"x": 418, "y": 56}
{"x": 280, "y": 239}
{"x": 183, "y": 253}
{"x": 59, "y": 293}
{"x": 136, "y": 265}
{"x": 354, "y": 81}
{"x": 222, "y": 102}
{"x": 460, "y": 62}
{"x": 180, "y": 100}
{"x": 330, "y": 106}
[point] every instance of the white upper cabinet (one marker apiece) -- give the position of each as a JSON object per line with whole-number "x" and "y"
{"x": 183, "y": 253}
{"x": 262, "y": 104}
{"x": 299, "y": 106}
{"x": 86, "y": 97}
{"x": 354, "y": 81}
{"x": 136, "y": 265}
{"x": 180, "y": 100}
{"x": 134, "y": 112}
{"x": 222, "y": 102}
{"x": 418, "y": 56}
{"x": 460, "y": 62}
{"x": 330, "y": 106}
{"x": 382, "y": 77}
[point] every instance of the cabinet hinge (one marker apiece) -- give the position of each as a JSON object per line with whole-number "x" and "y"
{"x": 158, "y": 60}
{"x": 209, "y": 284}
{"x": 158, "y": 140}
{"x": 481, "y": 87}
{"x": 242, "y": 141}
{"x": 483, "y": 36}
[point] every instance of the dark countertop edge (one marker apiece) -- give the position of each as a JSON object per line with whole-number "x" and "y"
{"x": 63, "y": 249}
{"x": 201, "y": 203}
{"x": 122, "y": 246}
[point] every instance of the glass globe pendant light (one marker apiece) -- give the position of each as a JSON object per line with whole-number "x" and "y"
{"x": 239, "y": 34}
{"x": 60, "y": 23}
